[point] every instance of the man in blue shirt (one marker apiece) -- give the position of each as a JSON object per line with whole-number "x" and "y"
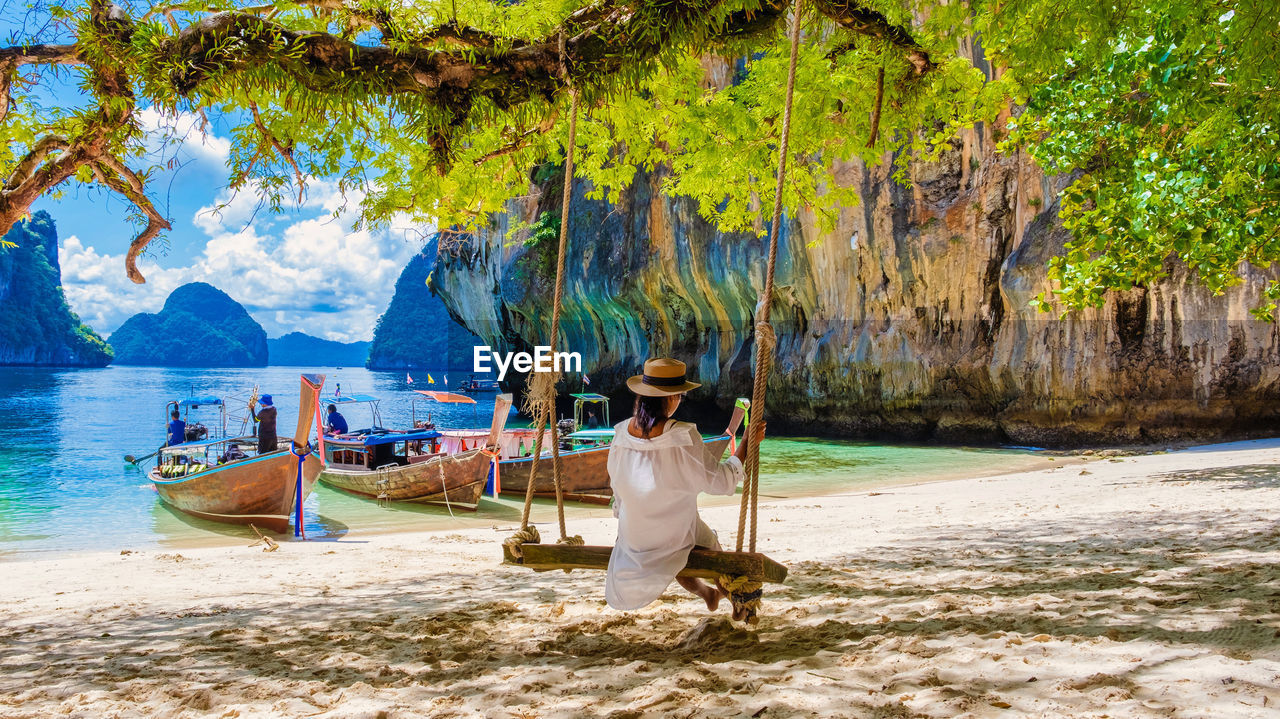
{"x": 337, "y": 423}
{"x": 177, "y": 430}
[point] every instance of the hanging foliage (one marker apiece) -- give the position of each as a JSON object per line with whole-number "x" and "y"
{"x": 441, "y": 111}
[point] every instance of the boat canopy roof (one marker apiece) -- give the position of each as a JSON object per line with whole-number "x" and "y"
{"x": 389, "y": 437}
{"x": 445, "y": 396}
{"x": 349, "y": 399}
{"x": 591, "y": 397}
{"x": 197, "y": 401}
{"x": 194, "y": 447}
{"x": 591, "y": 434}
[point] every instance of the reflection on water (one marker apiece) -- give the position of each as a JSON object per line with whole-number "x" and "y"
{"x": 64, "y": 485}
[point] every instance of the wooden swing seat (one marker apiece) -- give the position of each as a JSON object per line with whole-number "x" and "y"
{"x": 703, "y": 563}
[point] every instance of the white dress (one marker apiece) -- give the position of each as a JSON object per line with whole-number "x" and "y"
{"x": 656, "y": 483}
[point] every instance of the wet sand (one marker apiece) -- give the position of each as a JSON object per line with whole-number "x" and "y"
{"x": 1137, "y": 586}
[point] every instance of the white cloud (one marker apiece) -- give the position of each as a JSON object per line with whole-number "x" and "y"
{"x": 183, "y": 134}
{"x": 98, "y": 290}
{"x": 305, "y": 270}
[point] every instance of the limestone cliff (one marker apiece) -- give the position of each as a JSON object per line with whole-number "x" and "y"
{"x": 416, "y": 331}
{"x": 910, "y": 320}
{"x": 37, "y": 327}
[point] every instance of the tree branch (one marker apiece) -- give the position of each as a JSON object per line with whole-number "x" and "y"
{"x": 862, "y": 20}
{"x": 875, "y": 110}
{"x": 114, "y": 174}
{"x": 286, "y": 151}
{"x": 40, "y": 55}
{"x": 26, "y": 167}
{"x": 520, "y": 141}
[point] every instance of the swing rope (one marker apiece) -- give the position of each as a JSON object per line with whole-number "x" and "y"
{"x": 541, "y": 389}
{"x": 745, "y": 592}
{"x": 764, "y": 336}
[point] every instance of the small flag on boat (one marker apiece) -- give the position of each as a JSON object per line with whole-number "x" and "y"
{"x": 407, "y": 378}
{"x": 585, "y": 378}
{"x": 429, "y": 380}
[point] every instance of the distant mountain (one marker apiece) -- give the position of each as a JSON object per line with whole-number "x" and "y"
{"x": 200, "y": 326}
{"x": 416, "y": 331}
{"x": 301, "y": 350}
{"x": 37, "y": 327}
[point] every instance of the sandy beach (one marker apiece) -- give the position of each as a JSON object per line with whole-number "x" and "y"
{"x": 1111, "y": 587}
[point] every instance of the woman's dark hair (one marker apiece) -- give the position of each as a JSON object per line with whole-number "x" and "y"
{"x": 648, "y": 412}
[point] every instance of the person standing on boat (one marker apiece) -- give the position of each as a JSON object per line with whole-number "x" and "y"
{"x": 336, "y": 422}
{"x": 177, "y": 429}
{"x": 657, "y": 469}
{"x": 266, "y": 422}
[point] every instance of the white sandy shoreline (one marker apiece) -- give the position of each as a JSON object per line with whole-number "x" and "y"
{"x": 1142, "y": 586}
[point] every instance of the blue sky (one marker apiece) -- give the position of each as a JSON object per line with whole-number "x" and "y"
{"x": 304, "y": 269}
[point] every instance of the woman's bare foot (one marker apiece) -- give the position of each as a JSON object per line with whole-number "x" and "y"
{"x": 709, "y": 594}
{"x": 712, "y": 597}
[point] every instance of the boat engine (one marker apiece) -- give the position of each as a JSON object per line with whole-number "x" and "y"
{"x": 565, "y": 427}
{"x": 196, "y": 432}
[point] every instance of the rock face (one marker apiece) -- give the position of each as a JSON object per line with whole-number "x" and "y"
{"x": 199, "y": 326}
{"x": 302, "y": 350}
{"x": 909, "y": 320}
{"x": 37, "y": 327}
{"x": 417, "y": 331}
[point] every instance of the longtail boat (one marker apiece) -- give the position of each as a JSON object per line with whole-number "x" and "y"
{"x": 214, "y": 480}
{"x": 584, "y": 459}
{"x": 413, "y": 465}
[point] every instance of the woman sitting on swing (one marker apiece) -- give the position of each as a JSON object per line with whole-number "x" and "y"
{"x": 657, "y": 468}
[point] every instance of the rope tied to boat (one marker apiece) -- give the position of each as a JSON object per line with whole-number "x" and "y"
{"x": 444, "y": 487}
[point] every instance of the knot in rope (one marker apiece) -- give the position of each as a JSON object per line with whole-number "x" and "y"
{"x": 745, "y": 595}
{"x": 540, "y": 394}
{"x": 766, "y": 340}
{"x": 524, "y": 535}
{"x": 575, "y": 540}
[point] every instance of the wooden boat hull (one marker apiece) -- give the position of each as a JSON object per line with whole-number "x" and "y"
{"x": 455, "y": 480}
{"x": 584, "y": 474}
{"x": 259, "y": 491}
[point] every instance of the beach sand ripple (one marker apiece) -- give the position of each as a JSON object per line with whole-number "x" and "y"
{"x": 1149, "y": 587}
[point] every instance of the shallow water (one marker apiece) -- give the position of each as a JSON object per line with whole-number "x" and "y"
{"x": 64, "y": 485}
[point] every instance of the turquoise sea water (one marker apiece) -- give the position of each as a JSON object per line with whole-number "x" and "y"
{"x": 64, "y": 485}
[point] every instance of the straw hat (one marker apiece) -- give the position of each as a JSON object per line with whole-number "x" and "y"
{"x": 662, "y": 377}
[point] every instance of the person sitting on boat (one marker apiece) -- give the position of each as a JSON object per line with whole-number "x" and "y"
{"x": 336, "y": 422}
{"x": 657, "y": 469}
{"x": 266, "y": 424}
{"x": 593, "y": 421}
{"x": 177, "y": 429}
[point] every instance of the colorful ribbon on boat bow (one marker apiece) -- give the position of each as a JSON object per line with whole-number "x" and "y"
{"x": 495, "y": 456}
{"x": 299, "y": 530}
